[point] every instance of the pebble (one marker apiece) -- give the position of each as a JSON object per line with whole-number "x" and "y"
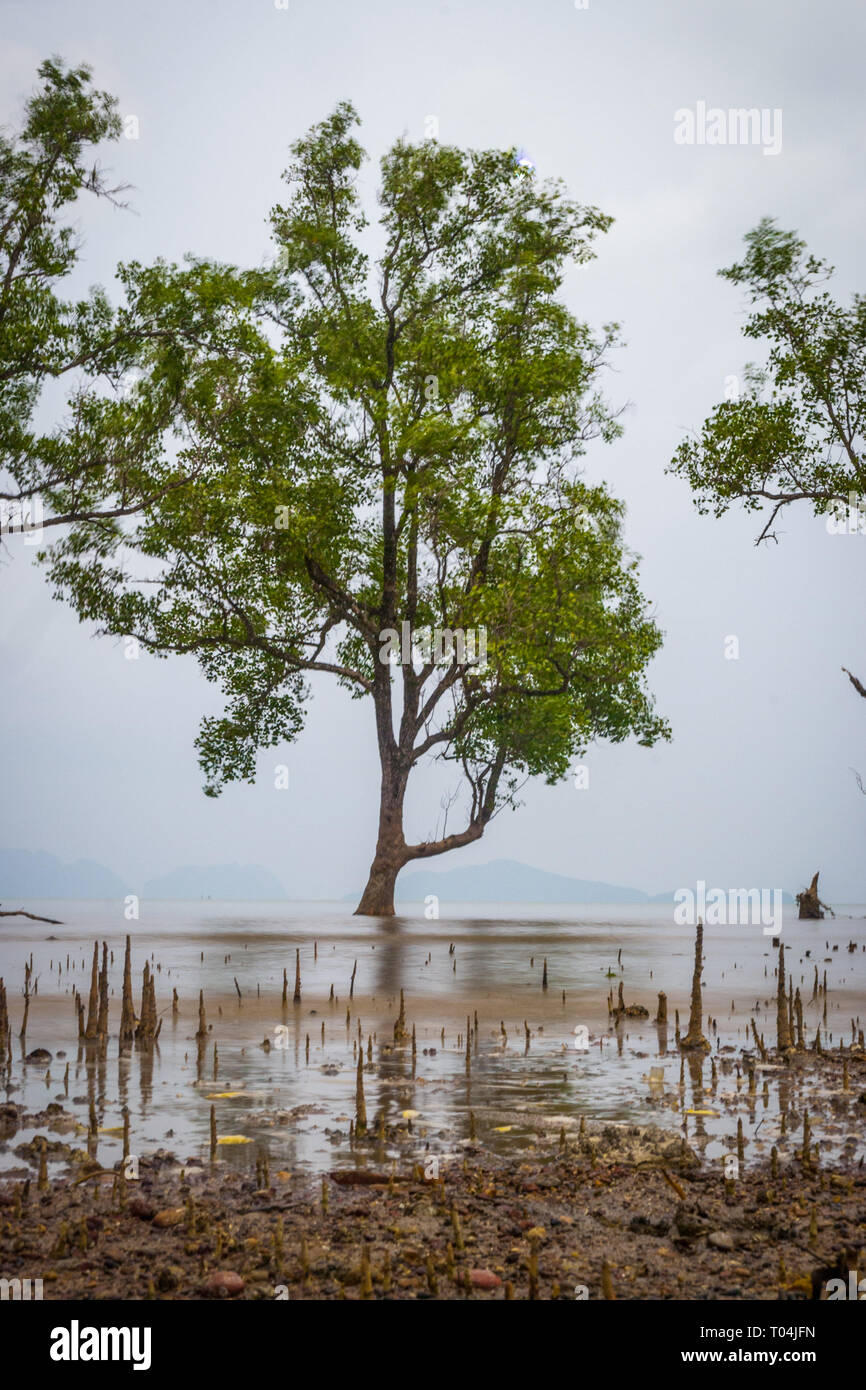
{"x": 141, "y": 1208}
{"x": 170, "y": 1216}
{"x": 225, "y": 1283}
{"x": 484, "y": 1279}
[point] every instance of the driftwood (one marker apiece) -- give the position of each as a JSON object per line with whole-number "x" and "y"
{"x": 811, "y": 907}
{"x": 858, "y": 685}
{"x": 362, "y": 1177}
{"x": 33, "y": 917}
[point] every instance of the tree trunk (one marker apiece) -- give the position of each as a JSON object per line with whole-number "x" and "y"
{"x": 392, "y": 852}
{"x": 377, "y": 899}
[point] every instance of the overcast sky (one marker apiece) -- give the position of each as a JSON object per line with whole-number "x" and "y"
{"x": 756, "y": 787}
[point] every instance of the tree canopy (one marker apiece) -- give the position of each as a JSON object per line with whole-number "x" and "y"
{"x": 381, "y": 431}
{"x": 86, "y": 468}
{"x": 796, "y": 432}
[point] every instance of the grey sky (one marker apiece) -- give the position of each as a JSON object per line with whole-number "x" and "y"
{"x": 756, "y": 789}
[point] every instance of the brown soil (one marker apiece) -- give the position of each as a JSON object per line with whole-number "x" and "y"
{"x": 598, "y": 1212}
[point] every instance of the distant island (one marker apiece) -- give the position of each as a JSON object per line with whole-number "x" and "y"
{"x": 34, "y": 874}
{"x": 229, "y": 882}
{"x": 507, "y": 880}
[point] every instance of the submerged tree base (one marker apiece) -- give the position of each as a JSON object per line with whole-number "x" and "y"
{"x": 377, "y": 900}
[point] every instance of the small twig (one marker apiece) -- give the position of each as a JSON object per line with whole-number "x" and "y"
{"x": 672, "y": 1182}
{"x": 33, "y": 917}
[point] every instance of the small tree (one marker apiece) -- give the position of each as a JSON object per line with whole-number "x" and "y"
{"x": 797, "y": 433}
{"x": 79, "y": 472}
{"x": 386, "y": 485}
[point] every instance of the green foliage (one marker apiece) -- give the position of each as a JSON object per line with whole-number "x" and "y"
{"x": 42, "y": 171}
{"x": 378, "y": 434}
{"x": 797, "y": 431}
{"x": 107, "y": 457}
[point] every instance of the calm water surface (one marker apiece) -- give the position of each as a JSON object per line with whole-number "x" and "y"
{"x": 298, "y": 1106}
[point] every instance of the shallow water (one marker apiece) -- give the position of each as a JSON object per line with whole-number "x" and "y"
{"x": 298, "y": 1108}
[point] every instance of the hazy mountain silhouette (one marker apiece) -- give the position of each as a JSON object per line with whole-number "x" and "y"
{"x": 34, "y": 874}
{"x": 235, "y": 882}
{"x": 507, "y": 880}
